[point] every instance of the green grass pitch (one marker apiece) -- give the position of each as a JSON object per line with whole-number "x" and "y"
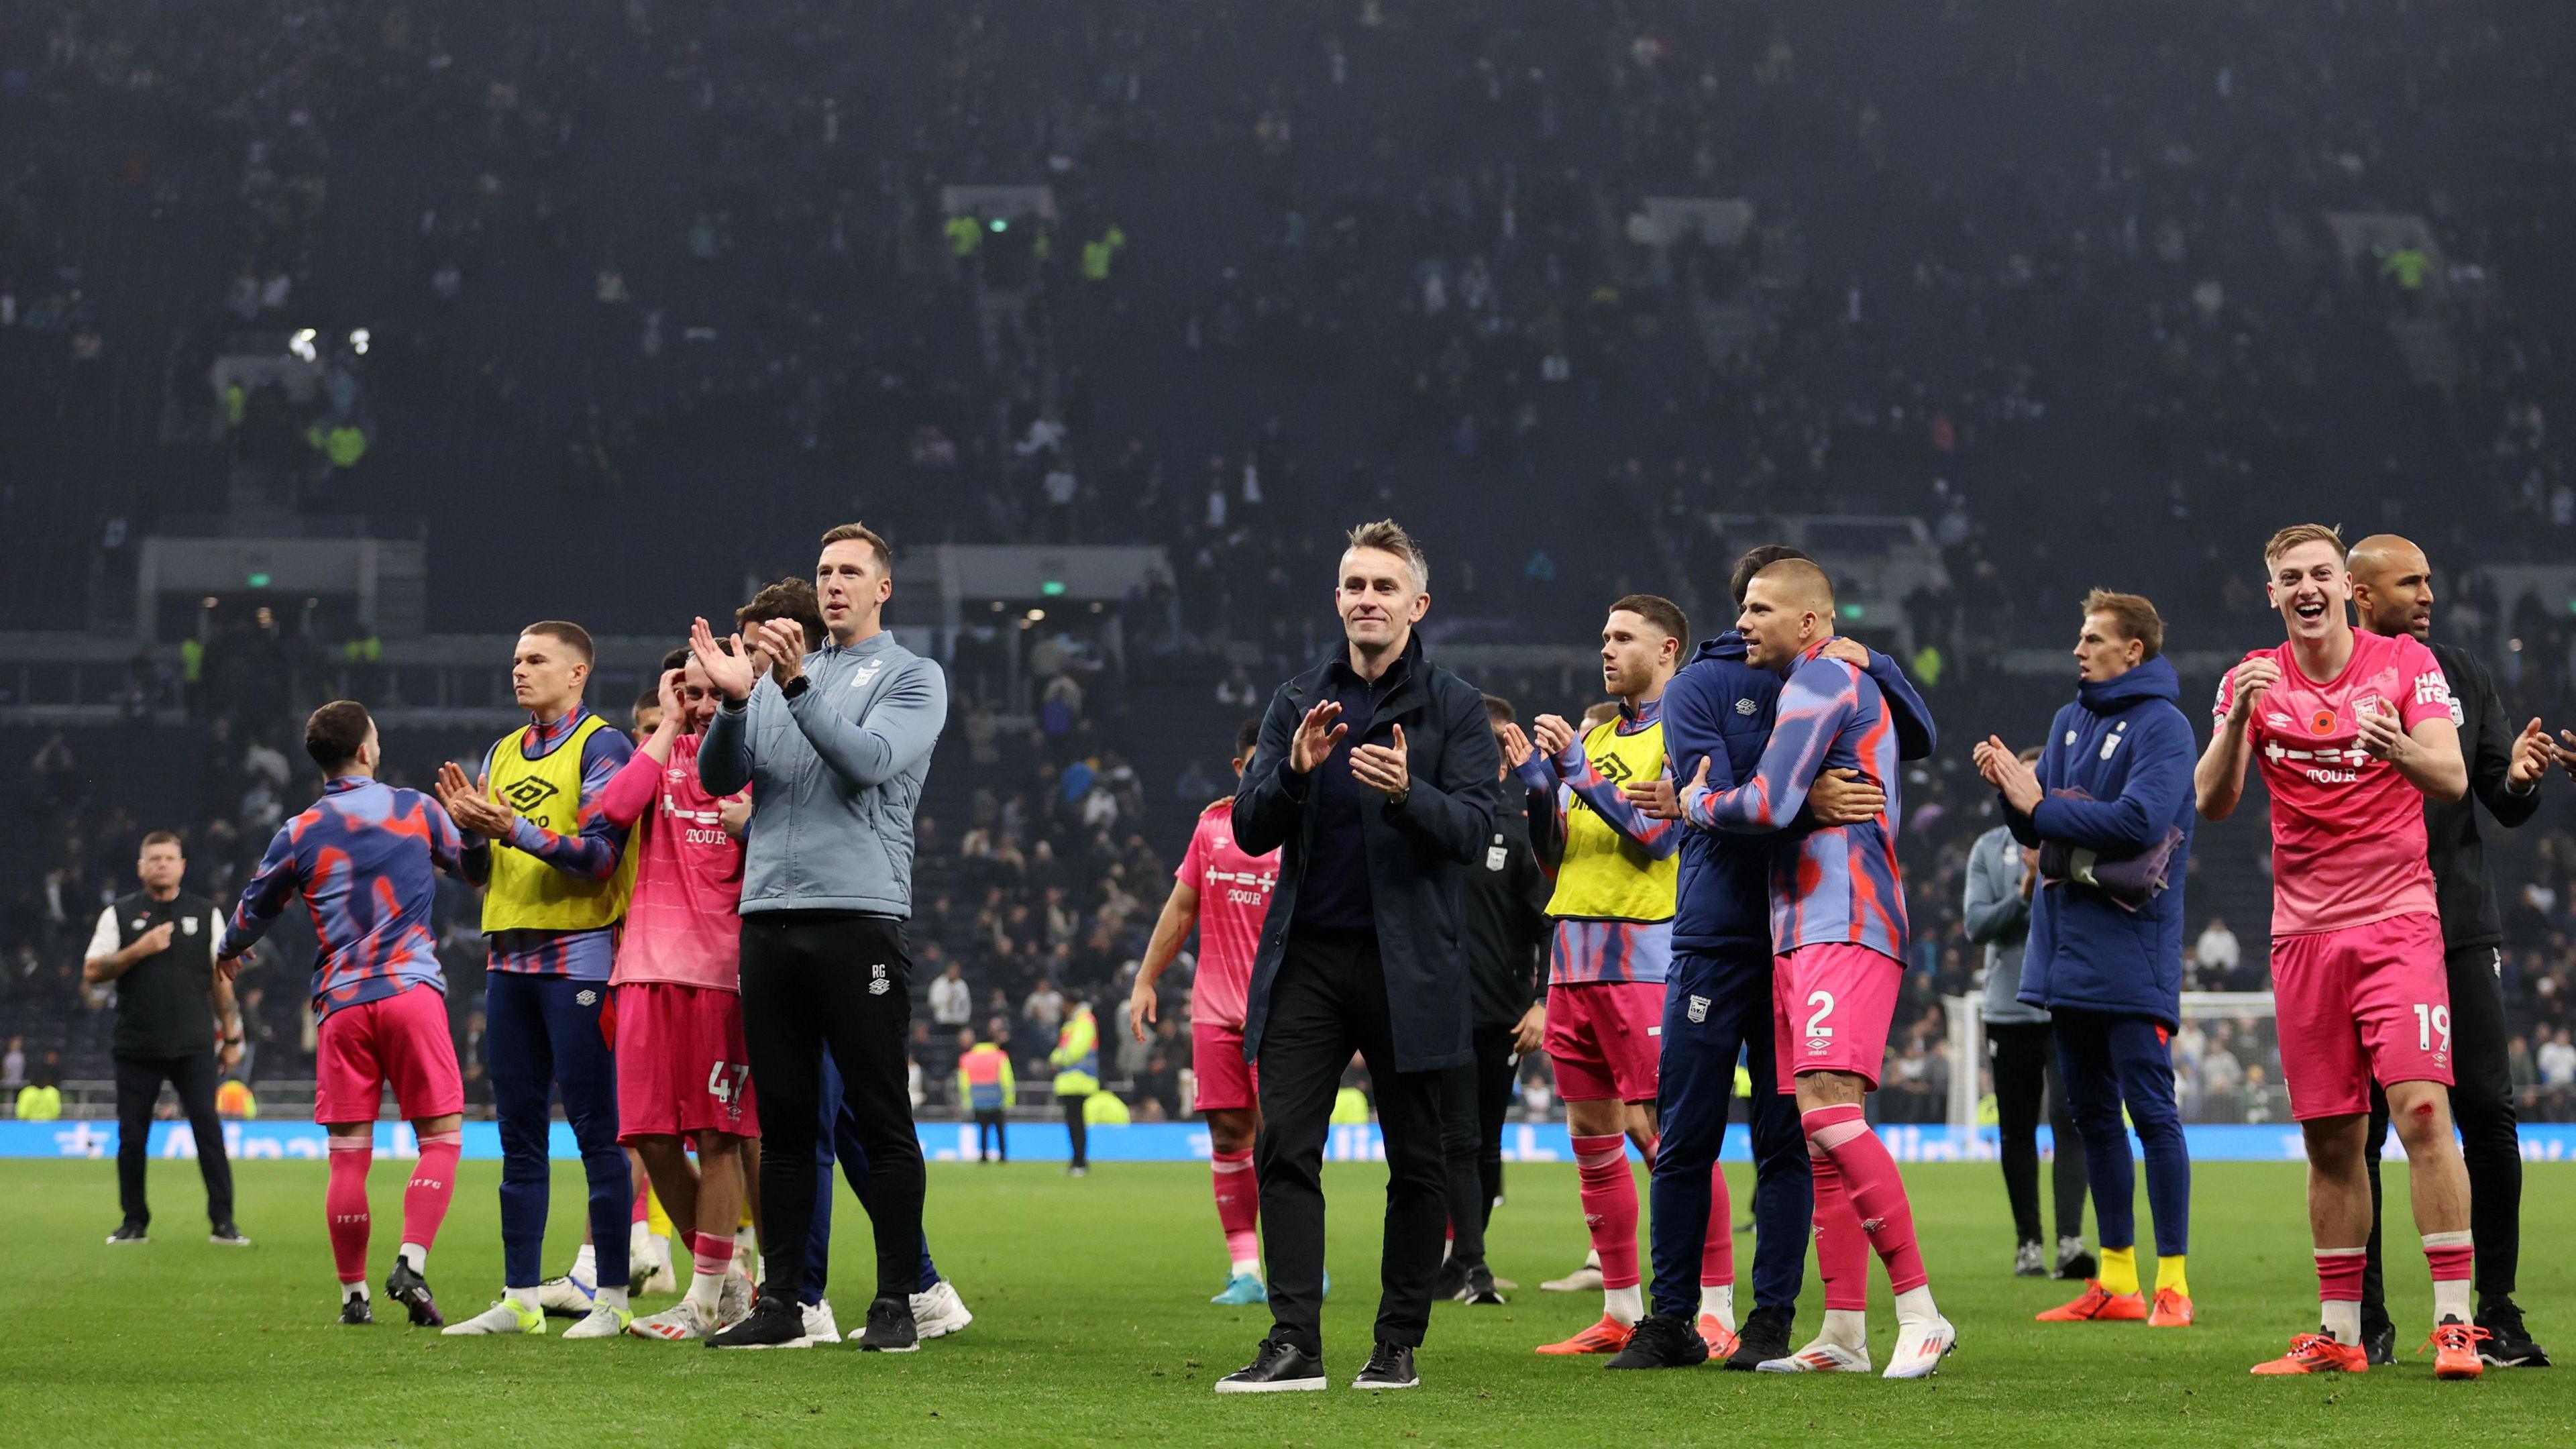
{"x": 1092, "y": 1326}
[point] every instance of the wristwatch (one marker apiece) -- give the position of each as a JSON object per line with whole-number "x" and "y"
{"x": 797, "y": 686}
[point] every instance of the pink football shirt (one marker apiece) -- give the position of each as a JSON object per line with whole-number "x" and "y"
{"x": 683, "y": 923}
{"x": 1234, "y": 895}
{"x": 2347, "y": 829}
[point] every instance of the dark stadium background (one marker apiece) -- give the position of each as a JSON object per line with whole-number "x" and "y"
{"x": 1591, "y": 296}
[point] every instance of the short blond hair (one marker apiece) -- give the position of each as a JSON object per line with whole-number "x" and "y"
{"x": 1388, "y": 536}
{"x": 861, "y": 533}
{"x": 1804, "y": 583}
{"x": 2133, "y": 616}
{"x": 2299, "y": 533}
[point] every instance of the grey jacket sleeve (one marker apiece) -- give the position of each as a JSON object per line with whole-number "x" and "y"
{"x": 1994, "y": 910}
{"x": 900, "y": 726}
{"x": 724, "y": 756}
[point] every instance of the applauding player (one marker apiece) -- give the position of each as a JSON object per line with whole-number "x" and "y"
{"x": 1613, "y": 909}
{"x": 2354, "y": 734}
{"x": 555, "y": 877}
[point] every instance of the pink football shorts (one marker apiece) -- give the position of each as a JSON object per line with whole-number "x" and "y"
{"x": 1830, "y": 1008}
{"x": 2370, "y": 1001}
{"x": 399, "y": 1041}
{"x": 1223, "y": 1080}
{"x": 1605, "y": 1038}
{"x": 681, "y": 1064}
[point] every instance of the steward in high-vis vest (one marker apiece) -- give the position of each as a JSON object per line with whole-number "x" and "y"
{"x": 985, "y": 1085}
{"x": 1076, "y": 1059}
{"x": 556, "y": 875}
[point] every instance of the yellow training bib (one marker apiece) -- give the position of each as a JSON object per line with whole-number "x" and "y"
{"x": 1605, "y": 875}
{"x": 525, "y": 893}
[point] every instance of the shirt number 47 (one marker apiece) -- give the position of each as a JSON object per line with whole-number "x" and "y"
{"x": 725, "y": 1080}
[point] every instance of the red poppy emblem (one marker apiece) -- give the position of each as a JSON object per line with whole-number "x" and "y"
{"x": 2322, "y": 722}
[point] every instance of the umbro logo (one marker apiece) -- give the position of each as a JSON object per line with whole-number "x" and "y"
{"x": 528, "y": 792}
{"x": 586, "y": 998}
{"x": 1746, "y": 707}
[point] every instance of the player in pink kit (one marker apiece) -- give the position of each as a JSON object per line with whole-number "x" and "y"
{"x": 362, "y": 859}
{"x": 1838, "y": 926}
{"x": 2353, "y": 732}
{"x": 682, "y": 1073}
{"x": 1225, "y": 894}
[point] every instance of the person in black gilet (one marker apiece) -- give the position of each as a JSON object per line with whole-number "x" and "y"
{"x": 158, "y": 947}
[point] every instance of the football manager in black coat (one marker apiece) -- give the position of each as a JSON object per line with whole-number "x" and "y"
{"x": 1375, "y": 779}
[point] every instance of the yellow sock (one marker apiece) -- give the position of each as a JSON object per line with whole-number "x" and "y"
{"x": 656, "y": 1221}
{"x": 2120, "y": 1270}
{"x": 2169, "y": 1274}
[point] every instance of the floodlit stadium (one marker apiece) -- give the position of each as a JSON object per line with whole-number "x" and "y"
{"x": 1410, "y": 701}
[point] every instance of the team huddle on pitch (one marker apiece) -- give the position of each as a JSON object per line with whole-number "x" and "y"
{"x": 698, "y": 942}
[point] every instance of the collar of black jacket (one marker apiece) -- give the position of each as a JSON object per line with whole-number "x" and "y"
{"x": 1402, "y": 680}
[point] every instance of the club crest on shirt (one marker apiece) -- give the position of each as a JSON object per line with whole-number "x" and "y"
{"x": 1497, "y": 857}
{"x": 187, "y": 925}
{"x": 1698, "y": 1008}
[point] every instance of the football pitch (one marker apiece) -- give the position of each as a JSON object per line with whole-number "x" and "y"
{"x": 1092, "y": 1326}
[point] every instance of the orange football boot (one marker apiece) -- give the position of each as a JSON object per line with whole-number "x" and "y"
{"x": 2314, "y": 1353}
{"x": 2097, "y": 1304}
{"x": 1607, "y": 1336}
{"x": 2172, "y": 1310}
{"x": 2455, "y": 1349}
{"x": 1721, "y": 1344}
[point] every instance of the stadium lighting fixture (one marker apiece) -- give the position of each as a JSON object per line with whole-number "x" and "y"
{"x": 1037, "y": 615}
{"x": 358, "y": 340}
{"x": 301, "y": 344}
